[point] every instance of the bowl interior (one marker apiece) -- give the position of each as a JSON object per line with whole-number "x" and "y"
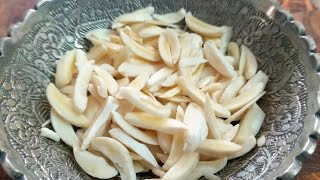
{"x": 61, "y": 25}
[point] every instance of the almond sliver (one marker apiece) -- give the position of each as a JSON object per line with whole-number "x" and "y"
{"x": 171, "y": 17}
{"x": 137, "y": 16}
{"x": 191, "y": 90}
{"x": 111, "y": 83}
{"x": 192, "y": 61}
{"x": 65, "y": 69}
{"x": 232, "y": 89}
{"x": 207, "y": 167}
{"x": 218, "y": 148}
{"x": 259, "y": 77}
{"x": 170, "y": 93}
{"x": 246, "y": 145}
{"x": 165, "y": 142}
{"x": 171, "y": 80}
{"x": 154, "y": 82}
{"x": 234, "y": 51}
{"x": 100, "y": 85}
{"x": 151, "y": 31}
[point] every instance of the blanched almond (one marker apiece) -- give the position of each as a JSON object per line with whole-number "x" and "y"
{"x": 94, "y": 93}
{"x": 171, "y": 80}
{"x": 192, "y": 61}
{"x": 218, "y": 148}
{"x": 149, "y": 121}
{"x": 100, "y": 86}
{"x": 161, "y": 23}
{"x": 191, "y": 90}
{"x": 171, "y": 17}
{"x": 45, "y": 132}
{"x": 64, "y": 107}
{"x": 251, "y": 64}
{"x": 100, "y": 36}
{"x": 139, "y": 168}
{"x": 67, "y": 90}
{"x": 151, "y": 31}
{"x": 97, "y": 52}
{"x": 140, "y": 15}
{"x": 81, "y": 58}
{"x": 163, "y": 158}
{"x": 213, "y": 87}
{"x": 205, "y": 81}
{"x": 207, "y": 167}
{"x": 225, "y": 38}
{"x": 165, "y": 142}
{"x": 259, "y": 77}
{"x": 169, "y": 47}
{"x": 129, "y": 69}
{"x": 180, "y": 99}
{"x": 211, "y": 119}
{"x": 170, "y": 93}
{"x": 154, "y": 82}
{"x": 118, "y": 154}
{"x": 247, "y": 145}
{"x": 111, "y": 83}
{"x": 65, "y": 69}
{"x": 218, "y": 109}
{"x": 127, "y": 30}
{"x": 232, "y": 89}
{"x": 228, "y": 136}
{"x": 234, "y": 51}
{"x": 123, "y": 82}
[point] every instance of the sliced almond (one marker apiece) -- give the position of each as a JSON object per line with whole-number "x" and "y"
{"x": 171, "y": 80}
{"x": 45, "y": 132}
{"x": 217, "y": 60}
{"x": 100, "y": 36}
{"x": 149, "y": 121}
{"x": 170, "y": 93}
{"x": 191, "y": 45}
{"x": 133, "y": 131}
{"x": 151, "y": 31}
{"x": 118, "y": 154}
{"x": 261, "y": 141}
{"x": 218, "y": 148}
{"x": 139, "y": 82}
{"x": 191, "y": 90}
{"x": 100, "y": 85}
{"x": 123, "y": 82}
{"x": 165, "y": 142}
{"x": 234, "y": 51}
{"x": 211, "y": 119}
{"x": 103, "y": 119}
{"x": 139, "y": 168}
{"x": 81, "y": 58}
{"x": 228, "y": 136}
{"x": 154, "y": 82}
{"x": 161, "y": 23}
{"x": 140, "y": 50}
{"x": 67, "y": 90}
{"x": 171, "y": 17}
{"x": 180, "y": 99}
{"x": 225, "y": 38}
{"x": 64, "y": 107}
{"x": 93, "y": 165}
{"x": 204, "y": 168}
{"x": 158, "y": 172}
{"x": 97, "y": 52}
{"x": 111, "y": 83}
{"x": 64, "y": 129}
{"x": 129, "y": 69}
{"x": 94, "y": 93}
{"x": 183, "y": 167}
{"x": 140, "y": 15}
{"x": 151, "y": 42}
{"x": 247, "y": 145}
{"x": 215, "y": 96}
{"x": 125, "y": 106}
{"x": 259, "y": 77}
{"x": 137, "y": 147}
{"x": 127, "y": 30}
{"x": 135, "y": 157}
{"x": 232, "y": 89}
{"x": 251, "y": 64}
{"x": 80, "y": 98}
{"x": 169, "y": 47}
{"x": 197, "y": 130}
{"x": 211, "y": 88}
{"x": 144, "y": 102}
{"x": 201, "y": 27}
{"x": 65, "y": 69}
{"x": 251, "y": 123}
{"x": 192, "y": 61}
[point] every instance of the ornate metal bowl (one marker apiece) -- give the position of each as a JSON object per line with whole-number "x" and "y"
{"x": 27, "y": 65}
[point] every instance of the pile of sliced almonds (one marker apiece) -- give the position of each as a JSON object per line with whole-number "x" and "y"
{"x": 150, "y": 96}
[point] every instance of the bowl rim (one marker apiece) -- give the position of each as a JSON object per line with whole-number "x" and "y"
{"x": 288, "y": 169}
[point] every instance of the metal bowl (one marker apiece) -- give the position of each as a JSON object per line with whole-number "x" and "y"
{"x": 27, "y": 65}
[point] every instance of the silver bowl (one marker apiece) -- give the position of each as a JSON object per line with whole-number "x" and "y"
{"x": 27, "y": 65}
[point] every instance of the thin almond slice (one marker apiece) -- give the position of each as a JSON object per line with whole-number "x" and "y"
{"x": 170, "y": 93}
{"x": 102, "y": 120}
{"x": 251, "y": 123}
{"x": 228, "y": 136}
{"x": 127, "y": 30}
{"x": 64, "y": 107}
{"x": 211, "y": 119}
{"x": 140, "y": 50}
{"x": 140, "y": 15}
{"x": 64, "y": 129}
{"x": 204, "y": 168}
{"x": 169, "y": 47}
{"x": 129, "y": 69}
{"x": 165, "y": 142}
{"x": 80, "y": 133}
{"x": 111, "y": 83}
{"x": 218, "y": 109}
{"x": 93, "y": 165}
{"x": 213, "y": 87}
{"x": 163, "y": 157}
{"x": 202, "y": 28}
{"x": 107, "y": 67}
{"x": 215, "y": 96}
{"x": 100, "y": 36}
{"x": 67, "y": 90}
{"x": 135, "y": 157}
{"x": 192, "y": 61}
{"x": 232, "y": 89}
{"x": 197, "y": 130}
{"x": 234, "y": 51}
{"x": 225, "y": 38}
{"x": 94, "y": 93}
{"x": 247, "y": 145}
{"x": 144, "y": 102}
{"x": 65, "y": 69}
{"x": 123, "y": 82}
{"x": 243, "y": 99}
{"x": 131, "y": 143}
{"x": 80, "y": 98}
{"x": 251, "y": 64}
{"x": 97, "y": 52}
{"x": 218, "y": 148}
{"x": 133, "y": 131}
{"x": 261, "y": 141}
{"x": 217, "y": 60}
{"x": 237, "y": 115}
{"x": 191, "y": 90}
{"x": 180, "y": 99}
{"x": 81, "y": 58}
{"x": 158, "y": 172}
{"x": 191, "y": 45}
{"x": 100, "y": 85}
{"x": 125, "y": 106}
{"x": 139, "y": 82}
{"x": 139, "y": 168}
{"x": 171, "y": 17}
{"x": 48, "y": 133}
{"x": 151, "y": 31}
{"x": 183, "y": 167}
{"x": 154, "y": 82}
{"x": 171, "y": 80}
{"x": 205, "y": 81}
{"x": 118, "y": 154}
{"x": 149, "y": 121}
{"x": 259, "y": 77}
{"x": 161, "y": 23}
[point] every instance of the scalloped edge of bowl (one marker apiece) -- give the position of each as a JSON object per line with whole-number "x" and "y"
{"x": 295, "y": 158}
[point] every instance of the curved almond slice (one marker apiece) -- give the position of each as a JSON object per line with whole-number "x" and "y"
{"x": 180, "y": 99}
{"x": 139, "y": 168}
{"x": 205, "y": 81}
{"x": 191, "y": 90}
{"x": 100, "y": 36}
{"x": 247, "y": 145}
{"x": 213, "y": 87}
{"x": 228, "y": 136}
{"x": 251, "y": 64}
{"x": 64, "y": 129}
{"x": 204, "y": 168}
{"x": 123, "y": 82}
{"x": 100, "y": 85}
{"x": 237, "y": 115}
{"x": 133, "y": 131}
{"x": 102, "y": 120}
{"x": 149, "y": 121}
{"x": 94, "y": 165}
{"x": 251, "y": 123}
{"x": 161, "y": 23}
{"x": 129, "y": 69}
{"x": 215, "y": 96}
{"x": 217, "y": 60}
{"x": 170, "y": 93}
{"x": 191, "y": 45}
{"x": 139, "y": 82}
{"x": 154, "y": 82}
{"x": 144, "y": 102}
{"x": 192, "y": 61}
{"x": 107, "y": 67}
{"x": 211, "y": 119}
{"x": 67, "y": 90}
{"x": 97, "y": 52}
{"x": 48, "y": 133}
{"x": 94, "y": 93}
{"x": 218, "y": 148}
{"x": 137, "y": 147}
{"x": 225, "y": 38}
{"x": 92, "y": 108}
{"x": 259, "y": 77}
{"x": 111, "y": 83}
{"x": 140, "y": 50}
{"x": 201, "y": 27}
{"x": 234, "y": 51}
{"x": 127, "y": 30}
{"x": 81, "y": 58}
{"x": 171, "y": 80}
{"x": 65, "y": 69}
{"x": 197, "y": 130}
{"x": 243, "y": 99}
{"x": 64, "y": 107}
{"x": 135, "y": 157}
{"x": 229, "y": 59}
{"x": 80, "y": 98}
{"x": 183, "y": 167}
{"x": 165, "y": 142}
{"x": 232, "y": 89}
{"x": 197, "y": 73}
{"x": 163, "y": 157}
{"x": 151, "y": 31}
{"x": 171, "y": 17}
{"x": 140, "y": 15}
{"x": 172, "y": 52}
{"x": 118, "y": 154}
